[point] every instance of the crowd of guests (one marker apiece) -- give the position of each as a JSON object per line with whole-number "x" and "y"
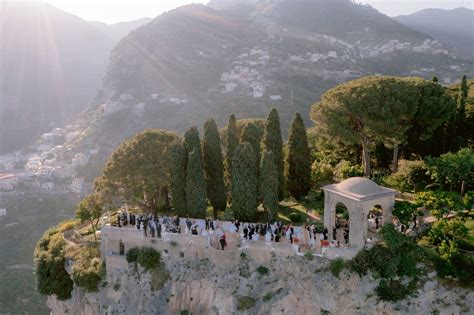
{"x": 309, "y": 235}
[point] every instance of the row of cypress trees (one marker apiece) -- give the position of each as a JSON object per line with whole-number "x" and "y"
{"x": 251, "y": 170}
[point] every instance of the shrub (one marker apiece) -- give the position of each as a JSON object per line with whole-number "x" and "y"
{"x": 336, "y": 266}
{"x": 345, "y": 169}
{"x": 267, "y": 297}
{"x": 321, "y": 173}
{"x": 262, "y": 270}
{"x": 88, "y": 270}
{"x": 132, "y": 255}
{"x": 404, "y": 211}
{"x": 148, "y": 258}
{"x": 245, "y": 303}
{"x": 51, "y": 275}
{"x": 391, "y": 290}
{"x": 296, "y": 217}
{"x": 308, "y": 256}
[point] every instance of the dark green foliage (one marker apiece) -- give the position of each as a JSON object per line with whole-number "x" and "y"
{"x": 195, "y": 186}
{"x": 461, "y": 122}
{"x": 336, "y": 266}
{"x": 192, "y": 141}
{"x": 397, "y": 257}
{"x": 138, "y": 171}
{"x": 269, "y": 185}
{"x": 345, "y": 169}
{"x": 244, "y": 183}
{"x": 178, "y": 177}
{"x": 51, "y": 275}
{"x": 250, "y": 135}
{"x": 391, "y": 290}
{"x": 452, "y": 169}
{"x": 90, "y": 210}
{"x": 321, "y": 174}
{"x": 267, "y": 297}
{"x": 296, "y": 217}
{"x": 132, "y": 255}
{"x": 298, "y": 177}
{"x": 148, "y": 258}
{"x": 232, "y": 141}
{"x": 214, "y": 167}
{"x": 439, "y": 202}
{"x": 272, "y": 141}
{"x": 245, "y": 303}
{"x": 88, "y": 270}
{"x": 404, "y": 211}
{"x": 409, "y": 175}
{"x": 262, "y": 270}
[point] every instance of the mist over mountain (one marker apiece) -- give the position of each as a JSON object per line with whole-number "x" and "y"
{"x": 118, "y": 30}
{"x": 245, "y": 57}
{"x": 453, "y": 28}
{"x": 51, "y": 64}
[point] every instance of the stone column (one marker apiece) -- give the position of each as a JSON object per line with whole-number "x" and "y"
{"x": 358, "y": 226}
{"x": 387, "y": 209}
{"x": 327, "y": 209}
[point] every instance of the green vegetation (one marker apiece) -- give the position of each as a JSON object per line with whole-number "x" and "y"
{"x": 51, "y": 275}
{"x": 232, "y": 141}
{"x": 245, "y": 303}
{"x": 269, "y": 185}
{"x": 396, "y": 258}
{"x": 138, "y": 171}
{"x": 321, "y": 174}
{"x": 251, "y": 136}
{"x": 298, "y": 178}
{"x": 214, "y": 167}
{"x": 195, "y": 186}
{"x": 355, "y": 112}
{"x": 244, "y": 183}
{"x": 273, "y": 142}
{"x": 146, "y": 257}
{"x": 267, "y": 297}
{"x": 88, "y": 270}
{"x": 336, "y": 266}
{"x": 262, "y": 270}
{"x": 178, "y": 176}
{"x": 89, "y": 210}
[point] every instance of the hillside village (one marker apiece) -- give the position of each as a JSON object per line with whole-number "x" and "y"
{"x": 50, "y": 166}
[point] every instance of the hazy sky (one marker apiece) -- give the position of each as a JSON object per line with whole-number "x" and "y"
{"x": 111, "y": 11}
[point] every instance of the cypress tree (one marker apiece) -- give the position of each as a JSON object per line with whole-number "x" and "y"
{"x": 244, "y": 183}
{"x": 273, "y": 142}
{"x": 213, "y": 166}
{"x": 178, "y": 177}
{"x": 435, "y": 79}
{"x": 195, "y": 186}
{"x": 250, "y": 135}
{"x": 192, "y": 141}
{"x": 298, "y": 178}
{"x": 269, "y": 185}
{"x": 461, "y": 111}
{"x": 232, "y": 141}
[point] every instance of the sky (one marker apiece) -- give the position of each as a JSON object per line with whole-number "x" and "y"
{"x": 112, "y": 11}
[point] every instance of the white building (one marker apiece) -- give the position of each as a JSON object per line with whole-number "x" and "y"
{"x": 3, "y": 212}
{"x": 46, "y": 171}
{"x": 64, "y": 171}
{"x": 77, "y": 184}
{"x": 71, "y": 136}
{"x": 229, "y": 87}
{"x": 8, "y": 181}
{"x": 275, "y": 97}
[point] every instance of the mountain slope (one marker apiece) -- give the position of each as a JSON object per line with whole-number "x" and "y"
{"x": 246, "y": 57}
{"x": 51, "y": 66}
{"x": 118, "y": 30}
{"x": 454, "y": 28}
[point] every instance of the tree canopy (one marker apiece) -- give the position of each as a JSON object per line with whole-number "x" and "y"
{"x": 298, "y": 178}
{"x": 179, "y": 163}
{"x": 269, "y": 185}
{"x": 272, "y": 141}
{"x": 213, "y": 166}
{"x": 139, "y": 170}
{"x": 381, "y": 109}
{"x": 244, "y": 183}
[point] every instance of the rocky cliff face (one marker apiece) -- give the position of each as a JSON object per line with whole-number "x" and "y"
{"x": 293, "y": 285}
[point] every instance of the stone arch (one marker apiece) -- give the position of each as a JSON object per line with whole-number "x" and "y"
{"x": 359, "y": 195}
